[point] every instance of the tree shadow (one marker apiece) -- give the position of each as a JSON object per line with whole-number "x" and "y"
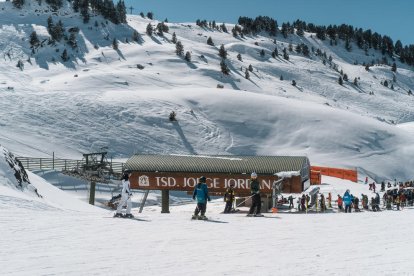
{"x": 190, "y": 64}
{"x": 186, "y": 143}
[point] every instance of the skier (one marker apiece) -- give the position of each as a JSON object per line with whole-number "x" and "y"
{"x": 302, "y": 203}
{"x": 125, "y": 198}
{"x": 366, "y": 180}
{"x": 307, "y": 202}
{"x": 382, "y": 186}
{"x": 201, "y": 193}
{"x": 340, "y": 203}
{"x": 229, "y": 199}
{"x": 323, "y": 205}
{"x": 373, "y": 186}
{"x": 347, "y": 201}
{"x": 329, "y": 198}
{"x": 290, "y": 198}
{"x": 256, "y": 200}
{"x": 356, "y": 203}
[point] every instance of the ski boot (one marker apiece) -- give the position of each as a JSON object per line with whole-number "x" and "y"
{"x": 249, "y": 215}
{"x": 129, "y": 216}
{"x": 202, "y": 217}
{"x": 195, "y": 217}
{"x": 258, "y": 215}
{"x": 118, "y": 215}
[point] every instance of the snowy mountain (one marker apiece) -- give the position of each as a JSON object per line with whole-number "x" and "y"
{"x": 122, "y": 97}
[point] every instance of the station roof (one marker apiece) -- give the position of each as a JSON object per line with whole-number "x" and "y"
{"x": 229, "y": 164}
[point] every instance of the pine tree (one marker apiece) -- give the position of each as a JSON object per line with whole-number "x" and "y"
{"x": 50, "y": 25}
{"x": 179, "y": 48}
{"x": 285, "y": 54}
{"x": 34, "y": 40}
{"x": 247, "y": 75}
{"x": 340, "y": 80}
{"x": 293, "y": 82}
{"x": 115, "y": 44}
{"x": 210, "y": 41}
{"x": 18, "y": 3}
{"x": 174, "y": 38}
{"x": 84, "y": 10}
{"x": 65, "y": 56}
{"x": 239, "y": 57}
{"x": 394, "y": 67}
{"x": 135, "y": 36}
{"x": 150, "y": 15}
{"x": 345, "y": 77}
{"x": 72, "y": 41}
{"x": 150, "y": 30}
{"x": 20, "y": 65}
{"x": 392, "y": 86}
{"x": 224, "y": 68}
{"x": 224, "y": 28}
{"x": 356, "y": 82}
{"x": 386, "y": 83}
{"x": 142, "y": 14}
{"x": 250, "y": 68}
{"x": 281, "y": 77}
{"x": 222, "y": 52}
{"x": 121, "y": 12}
{"x": 262, "y": 53}
{"x": 75, "y": 5}
{"x": 187, "y": 56}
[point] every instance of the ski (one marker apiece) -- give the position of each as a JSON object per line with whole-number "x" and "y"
{"x": 134, "y": 218}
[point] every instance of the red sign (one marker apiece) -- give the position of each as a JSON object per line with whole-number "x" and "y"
{"x": 217, "y": 183}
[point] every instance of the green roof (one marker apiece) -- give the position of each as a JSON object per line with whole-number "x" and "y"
{"x": 217, "y": 164}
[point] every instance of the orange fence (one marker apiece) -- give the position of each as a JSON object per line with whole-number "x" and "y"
{"x": 351, "y": 175}
{"x": 316, "y": 178}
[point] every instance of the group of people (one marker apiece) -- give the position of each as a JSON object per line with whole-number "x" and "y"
{"x": 201, "y": 195}
{"x": 400, "y": 197}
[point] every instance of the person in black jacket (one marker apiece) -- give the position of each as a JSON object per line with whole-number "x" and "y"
{"x": 256, "y": 200}
{"x": 229, "y": 197}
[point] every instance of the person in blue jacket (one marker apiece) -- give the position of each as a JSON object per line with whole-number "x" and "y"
{"x": 347, "y": 199}
{"x": 201, "y": 194}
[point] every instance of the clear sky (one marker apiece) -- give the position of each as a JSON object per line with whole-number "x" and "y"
{"x": 387, "y": 17}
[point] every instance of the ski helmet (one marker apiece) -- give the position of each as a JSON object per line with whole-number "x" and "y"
{"x": 254, "y": 174}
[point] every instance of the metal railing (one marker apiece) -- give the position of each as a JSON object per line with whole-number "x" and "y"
{"x": 32, "y": 163}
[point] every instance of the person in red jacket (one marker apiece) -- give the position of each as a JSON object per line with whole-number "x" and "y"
{"x": 340, "y": 203}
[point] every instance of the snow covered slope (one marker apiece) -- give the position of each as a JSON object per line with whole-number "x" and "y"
{"x": 24, "y": 190}
{"x": 100, "y": 97}
{"x": 39, "y": 241}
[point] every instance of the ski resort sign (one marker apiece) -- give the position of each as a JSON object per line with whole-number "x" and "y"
{"x": 217, "y": 183}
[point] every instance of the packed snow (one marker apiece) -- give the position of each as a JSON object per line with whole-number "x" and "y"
{"x": 102, "y": 98}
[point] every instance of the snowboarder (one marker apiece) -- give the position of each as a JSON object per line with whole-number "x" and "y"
{"x": 125, "y": 198}
{"x": 256, "y": 200}
{"x": 229, "y": 199}
{"x": 347, "y": 201}
{"x": 201, "y": 193}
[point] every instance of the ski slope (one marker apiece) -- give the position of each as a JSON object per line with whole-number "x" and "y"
{"x": 57, "y": 235}
{"x": 100, "y": 98}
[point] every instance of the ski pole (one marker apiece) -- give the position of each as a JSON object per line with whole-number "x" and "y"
{"x": 244, "y": 200}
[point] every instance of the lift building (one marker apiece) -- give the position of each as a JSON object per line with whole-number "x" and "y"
{"x": 181, "y": 172}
